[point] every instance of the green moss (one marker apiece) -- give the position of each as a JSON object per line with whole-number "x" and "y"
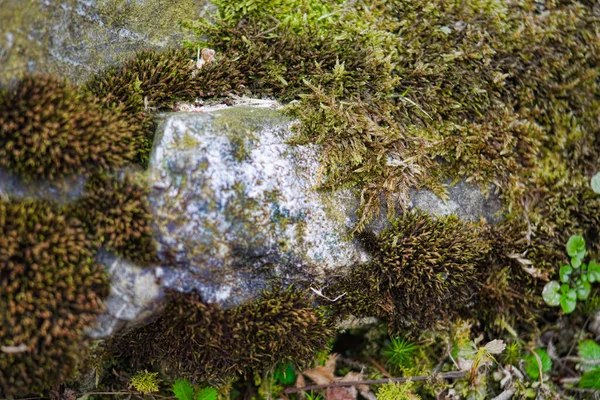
{"x": 116, "y": 213}
{"x": 48, "y": 128}
{"x": 201, "y": 341}
{"x": 423, "y": 269}
{"x": 50, "y": 292}
{"x": 390, "y": 89}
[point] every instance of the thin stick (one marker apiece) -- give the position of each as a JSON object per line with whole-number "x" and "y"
{"x": 380, "y": 368}
{"x": 446, "y": 375}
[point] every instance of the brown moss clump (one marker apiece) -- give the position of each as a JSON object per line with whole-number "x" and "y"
{"x": 511, "y": 278}
{"x": 116, "y": 213}
{"x": 48, "y": 128}
{"x": 423, "y": 269}
{"x": 50, "y": 292}
{"x": 204, "y": 342}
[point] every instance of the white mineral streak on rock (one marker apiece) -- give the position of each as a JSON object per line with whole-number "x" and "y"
{"x": 234, "y": 204}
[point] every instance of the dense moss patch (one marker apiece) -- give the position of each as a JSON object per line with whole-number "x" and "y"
{"x": 116, "y": 213}
{"x": 204, "y": 342}
{"x": 423, "y": 270}
{"x": 49, "y": 128}
{"x": 50, "y": 292}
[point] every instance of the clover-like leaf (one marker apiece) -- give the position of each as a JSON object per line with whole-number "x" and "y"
{"x": 565, "y": 273}
{"x": 583, "y": 288}
{"x": 575, "y": 245}
{"x": 568, "y": 301}
{"x": 576, "y": 249}
{"x": 593, "y": 272}
{"x": 550, "y": 293}
{"x": 596, "y": 183}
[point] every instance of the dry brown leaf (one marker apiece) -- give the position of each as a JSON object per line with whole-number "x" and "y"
{"x": 323, "y": 374}
{"x": 320, "y": 375}
{"x": 300, "y": 382}
{"x": 341, "y": 393}
{"x": 331, "y": 361}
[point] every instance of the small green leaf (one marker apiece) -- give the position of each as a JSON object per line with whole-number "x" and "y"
{"x": 565, "y": 273}
{"x": 284, "y": 373}
{"x": 583, "y": 289}
{"x": 207, "y": 394}
{"x": 550, "y": 293}
{"x": 575, "y": 245}
{"x": 531, "y": 365}
{"x": 576, "y": 261}
{"x": 596, "y": 183}
{"x": 183, "y": 390}
{"x": 590, "y": 379}
{"x": 589, "y": 350}
{"x": 568, "y": 301}
{"x": 593, "y": 272}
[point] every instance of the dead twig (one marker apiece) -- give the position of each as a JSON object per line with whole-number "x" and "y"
{"x": 446, "y": 375}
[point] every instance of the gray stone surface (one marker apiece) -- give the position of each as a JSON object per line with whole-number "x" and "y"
{"x": 75, "y": 38}
{"x": 135, "y": 295}
{"x": 235, "y": 206}
{"x": 465, "y": 200}
{"x": 61, "y": 192}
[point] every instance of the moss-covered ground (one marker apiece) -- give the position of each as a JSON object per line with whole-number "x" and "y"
{"x": 397, "y": 94}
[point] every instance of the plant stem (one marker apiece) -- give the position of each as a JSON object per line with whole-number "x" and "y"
{"x": 446, "y": 375}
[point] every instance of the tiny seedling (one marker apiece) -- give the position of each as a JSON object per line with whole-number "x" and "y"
{"x": 575, "y": 278}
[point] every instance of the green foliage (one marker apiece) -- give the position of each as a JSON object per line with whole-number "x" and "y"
{"x": 284, "y": 373}
{"x": 203, "y": 341}
{"x": 116, "y": 213}
{"x": 576, "y": 249}
{"x": 295, "y": 14}
{"x": 183, "y": 390}
{"x": 50, "y": 292}
{"x": 576, "y": 278}
{"x": 589, "y": 350}
{"x": 422, "y": 268}
{"x": 49, "y": 128}
{"x": 400, "y": 352}
{"x": 532, "y": 367}
{"x": 397, "y": 391}
{"x": 513, "y": 353}
{"x": 145, "y": 382}
{"x": 590, "y": 379}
